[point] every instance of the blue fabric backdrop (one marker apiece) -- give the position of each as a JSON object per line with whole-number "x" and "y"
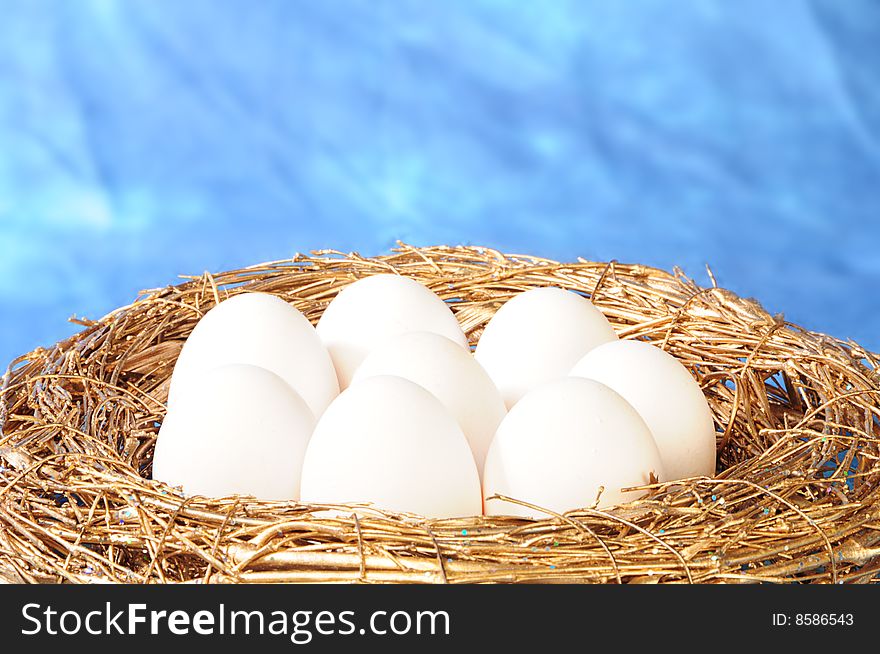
{"x": 140, "y": 140}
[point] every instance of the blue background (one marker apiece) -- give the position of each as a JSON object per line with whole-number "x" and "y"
{"x": 141, "y": 140}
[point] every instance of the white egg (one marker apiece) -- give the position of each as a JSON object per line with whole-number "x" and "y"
{"x": 561, "y": 442}
{"x": 261, "y": 330}
{"x": 666, "y": 396}
{"x": 537, "y": 336}
{"x": 388, "y": 441}
{"x": 372, "y": 309}
{"x": 237, "y": 429}
{"x": 451, "y": 374}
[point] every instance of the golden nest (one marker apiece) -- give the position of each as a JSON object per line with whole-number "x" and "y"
{"x": 796, "y": 497}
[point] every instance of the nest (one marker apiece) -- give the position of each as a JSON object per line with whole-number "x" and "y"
{"x": 795, "y": 498}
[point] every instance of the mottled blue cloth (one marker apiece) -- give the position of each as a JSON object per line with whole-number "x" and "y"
{"x": 144, "y": 139}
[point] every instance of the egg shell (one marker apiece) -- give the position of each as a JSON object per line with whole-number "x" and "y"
{"x": 388, "y": 441}
{"x": 237, "y": 429}
{"x": 367, "y": 312}
{"x": 449, "y": 373}
{"x": 560, "y": 443}
{"x": 262, "y": 330}
{"x": 537, "y": 336}
{"x": 667, "y": 397}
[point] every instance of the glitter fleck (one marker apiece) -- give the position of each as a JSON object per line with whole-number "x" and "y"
{"x": 464, "y": 532}
{"x": 127, "y": 513}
